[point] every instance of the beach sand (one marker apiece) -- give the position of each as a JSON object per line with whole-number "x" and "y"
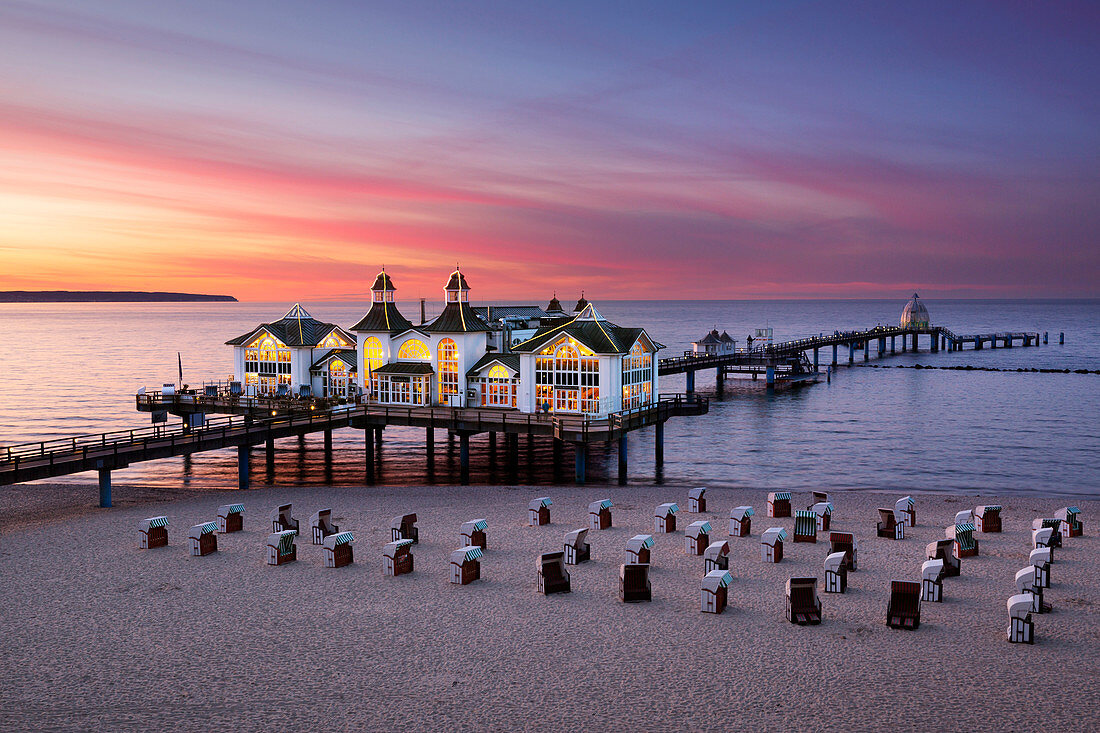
{"x": 102, "y": 635}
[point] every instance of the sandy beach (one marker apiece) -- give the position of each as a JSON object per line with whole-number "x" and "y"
{"x": 102, "y": 635}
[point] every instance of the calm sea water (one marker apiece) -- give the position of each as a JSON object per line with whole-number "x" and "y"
{"x": 72, "y": 369}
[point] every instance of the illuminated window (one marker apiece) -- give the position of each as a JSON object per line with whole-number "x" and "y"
{"x": 567, "y": 376}
{"x": 372, "y": 353}
{"x": 637, "y": 377}
{"x": 267, "y": 357}
{"x": 333, "y": 341}
{"x": 414, "y": 349}
{"x": 448, "y": 369}
{"x": 498, "y": 372}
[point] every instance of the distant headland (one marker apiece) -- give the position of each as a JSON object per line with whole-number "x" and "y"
{"x": 105, "y": 296}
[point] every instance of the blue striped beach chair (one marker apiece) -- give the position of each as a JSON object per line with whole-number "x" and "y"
{"x": 153, "y": 532}
{"x": 963, "y": 535}
{"x": 203, "y": 539}
{"x": 230, "y": 518}
{"x": 779, "y": 504}
{"x": 805, "y": 526}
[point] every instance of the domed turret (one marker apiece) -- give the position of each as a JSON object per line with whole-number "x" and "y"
{"x": 581, "y": 304}
{"x": 457, "y": 290}
{"x": 383, "y": 289}
{"x": 555, "y": 305}
{"x": 914, "y": 315}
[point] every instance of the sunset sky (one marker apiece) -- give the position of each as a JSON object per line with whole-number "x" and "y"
{"x": 279, "y": 150}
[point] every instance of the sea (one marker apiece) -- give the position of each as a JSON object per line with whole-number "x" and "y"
{"x": 73, "y": 369}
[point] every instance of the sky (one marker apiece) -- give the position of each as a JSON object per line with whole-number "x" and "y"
{"x": 283, "y": 150}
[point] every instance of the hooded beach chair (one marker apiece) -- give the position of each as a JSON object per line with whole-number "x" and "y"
{"x": 336, "y": 549}
{"x": 945, "y": 550}
{"x": 576, "y": 550}
{"x": 1044, "y": 537}
{"x": 664, "y": 518}
{"x": 397, "y": 558}
{"x": 473, "y": 533}
{"x": 987, "y": 518}
{"x": 1071, "y": 521}
{"x": 903, "y": 609}
{"x": 963, "y": 535}
{"x": 404, "y": 527}
{"x": 845, "y": 542}
{"x": 716, "y": 557}
{"x": 466, "y": 565}
{"x": 322, "y": 526}
{"x": 931, "y": 580}
{"x": 697, "y": 537}
{"x": 282, "y": 520}
{"x": 634, "y": 585}
{"x": 697, "y": 502}
{"x": 1040, "y": 560}
{"x": 1021, "y": 630}
{"x": 638, "y": 548}
{"x": 805, "y": 526}
{"x": 1052, "y": 523}
{"x": 599, "y": 514}
{"x": 905, "y": 508}
{"x": 230, "y": 518}
{"x": 823, "y": 511}
{"x": 803, "y": 606}
{"x": 538, "y": 511}
{"x": 741, "y": 521}
{"x": 819, "y": 497}
{"x": 779, "y": 504}
{"x": 891, "y": 525}
{"x": 771, "y": 544}
{"x": 553, "y": 577}
{"x": 966, "y": 516}
{"x": 1025, "y": 583}
{"x": 153, "y": 532}
{"x": 714, "y": 591}
{"x": 203, "y": 539}
{"x": 836, "y": 573}
{"x": 281, "y": 548}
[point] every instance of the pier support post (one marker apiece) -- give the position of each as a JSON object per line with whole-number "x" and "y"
{"x": 464, "y": 457}
{"x": 770, "y": 376}
{"x": 105, "y": 488}
{"x": 815, "y": 360}
{"x": 328, "y": 444}
{"x": 851, "y": 354}
{"x": 690, "y": 376}
{"x": 368, "y": 445}
{"x": 378, "y": 438}
{"x": 269, "y": 449}
{"x": 893, "y": 345}
{"x": 580, "y": 453}
{"x": 1046, "y": 337}
{"x": 242, "y": 466}
{"x": 834, "y": 354}
{"x": 993, "y": 342}
{"x": 659, "y": 444}
{"x": 866, "y": 349}
{"x": 935, "y": 343}
{"x": 429, "y": 440}
{"x": 622, "y": 460}
{"x": 1061, "y": 338}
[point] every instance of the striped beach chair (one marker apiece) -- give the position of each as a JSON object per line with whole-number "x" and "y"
{"x": 903, "y": 609}
{"x": 1052, "y": 523}
{"x": 905, "y": 507}
{"x": 836, "y": 573}
{"x": 803, "y": 605}
{"x": 779, "y": 504}
{"x": 404, "y": 527}
{"x": 771, "y": 544}
{"x": 538, "y": 511}
{"x": 697, "y": 537}
{"x": 153, "y": 532}
{"x": 599, "y": 514}
{"x": 845, "y": 542}
{"x": 963, "y": 535}
{"x": 823, "y": 510}
{"x": 891, "y": 524}
{"x": 1040, "y": 560}
{"x": 716, "y": 557}
{"x": 945, "y": 550}
{"x": 1044, "y": 537}
{"x": 664, "y": 518}
{"x": 638, "y": 549}
{"x": 322, "y": 526}
{"x": 714, "y": 591}
{"x": 230, "y": 518}
{"x": 741, "y": 521}
{"x": 931, "y": 577}
{"x": 987, "y": 518}
{"x": 697, "y": 502}
{"x": 805, "y": 526}
{"x": 634, "y": 585}
{"x": 966, "y": 516}
{"x": 282, "y": 520}
{"x": 576, "y": 550}
{"x": 552, "y": 575}
{"x": 466, "y": 565}
{"x": 1021, "y": 630}
{"x": 819, "y": 497}
{"x": 397, "y": 558}
{"x": 1071, "y": 521}
{"x": 203, "y": 539}
{"x": 1025, "y": 583}
{"x": 337, "y": 550}
{"x": 281, "y": 548}
{"x": 473, "y": 533}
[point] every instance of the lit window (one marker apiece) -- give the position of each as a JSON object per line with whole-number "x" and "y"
{"x": 372, "y": 353}
{"x": 448, "y": 369}
{"x": 414, "y": 349}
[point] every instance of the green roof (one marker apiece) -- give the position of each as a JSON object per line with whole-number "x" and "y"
{"x": 405, "y": 367}
{"x": 601, "y": 336}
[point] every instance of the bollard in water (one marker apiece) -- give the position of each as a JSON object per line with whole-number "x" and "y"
{"x": 1061, "y": 338}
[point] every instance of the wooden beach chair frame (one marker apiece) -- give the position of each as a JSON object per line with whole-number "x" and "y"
{"x": 634, "y": 585}
{"x": 404, "y": 528}
{"x": 836, "y": 572}
{"x": 903, "y": 609}
{"x": 716, "y": 556}
{"x": 803, "y": 605}
{"x": 575, "y": 549}
{"x": 282, "y": 519}
{"x": 231, "y": 518}
{"x": 281, "y": 549}
{"x": 397, "y": 558}
{"x": 1071, "y": 521}
{"x": 153, "y": 532}
{"x": 697, "y": 501}
{"x": 945, "y": 550}
{"x": 779, "y": 504}
{"x": 321, "y": 525}
{"x": 824, "y": 512}
{"x": 552, "y": 575}
{"x": 599, "y": 514}
{"x": 845, "y": 542}
{"x": 638, "y": 549}
{"x": 697, "y": 537}
{"x": 888, "y": 525}
{"x": 538, "y": 511}
{"x": 474, "y": 532}
{"x": 741, "y": 521}
{"x": 987, "y": 518}
{"x": 805, "y": 526}
{"x": 337, "y": 550}
{"x": 203, "y": 539}
{"x": 714, "y": 591}
{"x": 1021, "y": 629}
{"x": 664, "y": 518}
{"x": 466, "y": 565}
{"x": 931, "y": 588}
{"x": 771, "y": 544}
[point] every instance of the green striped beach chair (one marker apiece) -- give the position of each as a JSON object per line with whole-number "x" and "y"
{"x": 203, "y": 539}
{"x": 1071, "y": 521}
{"x": 281, "y": 548}
{"x": 779, "y": 504}
{"x": 397, "y": 558}
{"x": 965, "y": 543}
{"x": 473, "y": 533}
{"x": 337, "y": 549}
{"x": 466, "y": 565}
{"x": 231, "y": 518}
{"x": 805, "y": 526}
{"x": 153, "y": 532}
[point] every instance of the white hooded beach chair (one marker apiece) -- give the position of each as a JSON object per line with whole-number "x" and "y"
{"x": 337, "y": 551}
{"x": 322, "y": 526}
{"x": 1054, "y": 524}
{"x": 741, "y": 521}
{"x": 281, "y": 548}
{"x": 697, "y": 502}
{"x": 847, "y": 543}
{"x": 905, "y": 508}
{"x": 779, "y": 504}
{"x": 891, "y": 524}
{"x": 987, "y": 517}
{"x": 153, "y": 532}
{"x": 473, "y": 533}
{"x": 1071, "y": 521}
{"x": 638, "y": 549}
{"x": 576, "y": 550}
{"x": 538, "y": 511}
{"x": 281, "y": 519}
{"x": 664, "y": 518}
{"x": 1040, "y": 560}
{"x": 697, "y": 537}
{"x": 466, "y": 565}
{"x": 1025, "y": 583}
{"x": 599, "y": 514}
{"x": 931, "y": 576}
{"x": 203, "y": 539}
{"x": 836, "y": 572}
{"x": 819, "y": 497}
{"x": 230, "y": 518}
{"x": 824, "y": 512}
{"x": 714, "y": 591}
{"x": 404, "y": 527}
{"x": 1043, "y": 537}
{"x": 716, "y": 557}
{"x": 397, "y": 558}
{"x": 771, "y": 544}
{"x": 1021, "y": 630}
{"x": 966, "y": 516}
{"x": 945, "y": 550}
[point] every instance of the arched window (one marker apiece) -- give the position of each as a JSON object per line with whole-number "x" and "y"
{"x": 267, "y": 363}
{"x": 333, "y": 341}
{"x": 498, "y": 372}
{"x": 414, "y": 349}
{"x": 372, "y": 353}
{"x": 637, "y": 377}
{"x": 448, "y": 369}
{"x": 567, "y": 375}
{"x": 498, "y": 388}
